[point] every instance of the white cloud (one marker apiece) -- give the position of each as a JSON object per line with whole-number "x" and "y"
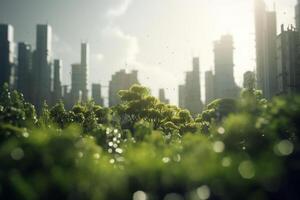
{"x": 120, "y": 9}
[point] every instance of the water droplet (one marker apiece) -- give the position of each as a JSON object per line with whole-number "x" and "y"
{"x": 226, "y": 162}
{"x": 177, "y": 158}
{"x": 119, "y": 150}
{"x": 221, "y": 130}
{"x": 284, "y": 148}
{"x": 246, "y": 169}
{"x": 218, "y": 146}
{"x": 17, "y": 154}
{"x": 139, "y": 195}
{"x": 25, "y": 134}
{"x": 203, "y": 192}
{"x": 166, "y": 159}
{"x": 96, "y": 155}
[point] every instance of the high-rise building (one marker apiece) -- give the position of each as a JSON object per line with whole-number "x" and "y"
{"x": 224, "y": 83}
{"x": 57, "y": 88}
{"x": 121, "y": 81}
{"x": 84, "y": 66}
{"x": 42, "y": 71}
{"x": 66, "y": 96}
{"x": 209, "y": 87}
{"x": 181, "y": 96}
{"x": 76, "y": 81}
{"x": 249, "y": 80}
{"x": 288, "y": 59}
{"x": 79, "y": 90}
{"x": 265, "y": 34}
{"x": 6, "y": 54}
{"x": 162, "y": 96}
{"x": 24, "y": 71}
{"x": 190, "y": 93}
{"x": 96, "y": 94}
{"x": 297, "y": 17}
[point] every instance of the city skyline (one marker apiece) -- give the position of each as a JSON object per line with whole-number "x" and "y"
{"x": 154, "y": 64}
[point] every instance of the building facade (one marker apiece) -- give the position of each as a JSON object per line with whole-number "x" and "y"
{"x": 57, "y": 87}
{"x": 162, "y": 96}
{"x": 190, "y": 92}
{"x": 42, "y": 66}
{"x": 288, "y": 61}
{"x": 224, "y": 83}
{"x": 97, "y": 94}
{"x": 265, "y": 34}
{"x": 24, "y": 71}
{"x": 249, "y": 80}
{"x": 121, "y": 80}
{"x": 6, "y": 54}
{"x": 209, "y": 87}
{"x": 79, "y": 79}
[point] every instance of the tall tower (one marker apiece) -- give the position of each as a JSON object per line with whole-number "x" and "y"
{"x": 76, "y": 81}
{"x": 225, "y": 86}
{"x": 193, "y": 90}
{"x": 162, "y": 96}
{"x": 288, "y": 57}
{"x": 96, "y": 94}
{"x": 209, "y": 87}
{"x": 84, "y": 68}
{"x": 57, "y": 88}
{"x": 190, "y": 92}
{"x": 6, "y": 53}
{"x": 24, "y": 76}
{"x": 42, "y": 66}
{"x": 265, "y": 34}
{"x": 297, "y": 17}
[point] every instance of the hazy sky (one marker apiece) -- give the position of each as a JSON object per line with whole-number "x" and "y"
{"x": 156, "y": 37}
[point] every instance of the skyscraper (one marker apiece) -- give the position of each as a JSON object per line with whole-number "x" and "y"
{"x": 181, "y": 96}
{"x": 84, "y": 68}
{"x": 121, "y": 81}
{"x": 162, "y": 96}
{"x": 190, "y": 92}
{"x": 224, "y": 83}
{"x": 288, "y": 59}
{"x": 42, "y": 71}
{"x": 249, "y": 80}
{"x": 24, "y": 70}
{"x": 79, "y": 90}
{"x": 96, "y": 94}
{"x": 76, "y": 81}
{"x": 209, "y": 87}
{"x": 297, "y": 17}
{"x": 57, "y": 88}
{"x": 265, "y": 34}
{"x": 6, "y": 54}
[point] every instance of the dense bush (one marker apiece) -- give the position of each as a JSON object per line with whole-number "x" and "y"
{"x": 144, "y": 149}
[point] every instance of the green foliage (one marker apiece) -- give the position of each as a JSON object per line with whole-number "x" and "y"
{"x": 236, "y": 149}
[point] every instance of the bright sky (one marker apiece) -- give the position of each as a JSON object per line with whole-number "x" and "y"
{"x": 156, "y": 37}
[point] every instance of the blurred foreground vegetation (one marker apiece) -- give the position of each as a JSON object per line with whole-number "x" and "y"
{"x": 143, "y": 149}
